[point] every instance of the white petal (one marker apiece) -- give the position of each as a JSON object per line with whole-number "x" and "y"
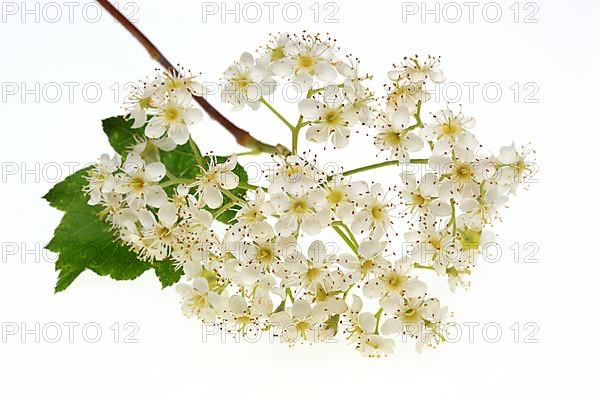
{"x": 155, "y": 128}
{"x": 309, "y": 108}
{"x": 155, "y": 171}
{"x": 167, "y": 214}
{"x": 301, "y": 309}
{"x": 367, "y": 322}
{"x": 325, "y": 71}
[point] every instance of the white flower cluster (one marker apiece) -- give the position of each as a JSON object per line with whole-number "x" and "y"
{"x": 271, "y": 266}
{"x": 164, "y": 106}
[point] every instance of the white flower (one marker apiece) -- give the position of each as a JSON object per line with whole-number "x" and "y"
{"x": 432, "y": 245}
{"x": 461, "y": 179}
{"x": 406, "y": 94}
{"x": 172, "y": 119}
{"x": 422, "y": 196}
{"x": 101, "y": 179}
{"x": 294, "y": 175}
{"x": 198, "y": 301}
{"x": 359, "y": 99}
{"x": 299, "y": 212}
{"x": 214, "y": 179}
{"x": 252, "y": 217}
{"x": 415, "y": 69}
{"x": 374, "y": 216}
{"x": 305, "y": 58}
{"x": 483, "y": 208}
{"x": 340, "y": 195}
{"x": 394, "y": 136}
{"x": 299, "y": 322}
{"x": 328, "y": 118}
{"x": 328, "y": 291}
{"x": 310, "y": 271}
{"x": 275, "y": 50}
{"x": 394, "y": 280}
{"x": 240, "y": 313}
{"x": 159, "y": 235}
{"x": 140, "y": 181}
{"x": 141, "y": 101}
{"x": 515, "y": 165}
{"x": 451, "y": 133}
{"x": 412, "y": 315}
{"x": 246, "y": 82}
{"x": 180, "y": 84}
{"x": 368, "y": 341}
{"x": 369, "y": 260}
{"x": 259, "y": 256}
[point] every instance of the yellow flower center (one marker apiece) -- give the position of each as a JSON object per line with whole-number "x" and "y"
{"x": 464, "y": 172}
{"x": 306, "y": 61}
{"x": 277, "y": 53}
{"x": 171, "y": 114}
{"x": 332, "y": 117}
{"x": 145, "y": 102}
{"x": 366, "y": 266}
{"x": 395, "y": 282}
{"x": 410, "y": 315}
{"x": 312, "y": 274}
{"x": 377, "y": 212}
{"x": 137, "y": 182}
{"x": 265, "y": 254}
{"x": 392, "y": 138}
{"x": 299, "y": 206}
{"x": 242, "y": 81}
{"x": 418, "y": 199}
{"x": 451, "y": 128}
{"x": 469, "y": 239}
{"x": 335, "y": 196}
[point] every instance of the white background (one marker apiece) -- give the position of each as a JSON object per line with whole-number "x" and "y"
{"x": 558, "y": 293}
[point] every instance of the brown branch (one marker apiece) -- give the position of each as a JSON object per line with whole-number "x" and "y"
{"x": 242, "y": 136}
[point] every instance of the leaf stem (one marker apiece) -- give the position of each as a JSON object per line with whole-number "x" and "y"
{"x": 175, "y": 181}
{"x": 295, "y": 133}
{"x": 277, "y": 113}
{"x": 232, "y": 196}
{"x": 377, "y": 318}
{"x": 383, "y": 164}
{"x": 197, "y": 154}
{"x": 345, "y": 238}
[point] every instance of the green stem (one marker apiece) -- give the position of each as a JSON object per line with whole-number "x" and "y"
{"x": 296, "y": 133}
{"x": 347, "y": 291}
{"x": 232, "y": 196}
{"x": 175, "y": 181}
{"x": 289, "y": 293}
{"x": 197, "y": 154}
{"x": 384, "y": 164}
{"x": 377, "y": 318}
{"x": 249, "y": 153}
{"x": 420, "y": 266}
{"x": 419, "y": 123}
{"x": 249, "y": 186}
{"x": 317, "y": 90}
{"x": 452, "y": 218}
{"x": 348, "y": 232}
{"x": 345, "y": 238}
{"x": 277, "y": 113}
{"x": 223, "y": 208}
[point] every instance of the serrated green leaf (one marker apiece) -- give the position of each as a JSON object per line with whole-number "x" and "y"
{"x": 83, "y": 241}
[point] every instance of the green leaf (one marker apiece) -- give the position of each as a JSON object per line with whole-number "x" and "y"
{"x": 83, "y": 241}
